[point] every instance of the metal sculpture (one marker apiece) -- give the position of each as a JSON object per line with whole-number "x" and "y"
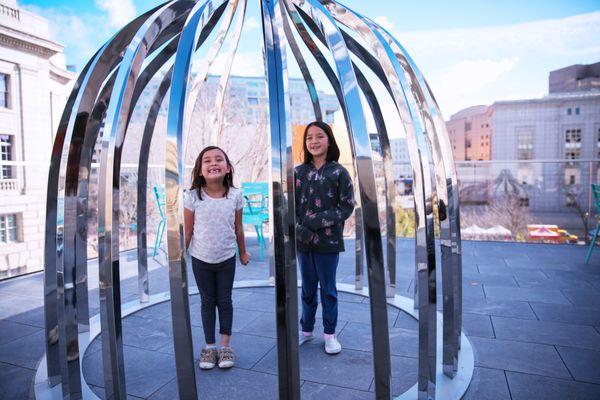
{"x": 106, "y": 93}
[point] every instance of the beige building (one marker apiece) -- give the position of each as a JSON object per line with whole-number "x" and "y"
{"x": 34, "y": 86}
{"x": 470, "y": 132}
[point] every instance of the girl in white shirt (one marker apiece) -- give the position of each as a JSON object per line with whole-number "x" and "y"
{"x": 213, "y": 225}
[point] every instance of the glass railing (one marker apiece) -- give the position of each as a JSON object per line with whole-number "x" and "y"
{"x": 546, "y": 201}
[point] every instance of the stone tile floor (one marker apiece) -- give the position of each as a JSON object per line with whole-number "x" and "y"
{"x": 532, "y": 313}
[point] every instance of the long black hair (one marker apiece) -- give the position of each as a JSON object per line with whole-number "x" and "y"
{"x": 198, "y": 181}
{"x": 333, "y": 151}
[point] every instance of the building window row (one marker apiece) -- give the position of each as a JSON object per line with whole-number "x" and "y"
{"x": 571, "y": 110}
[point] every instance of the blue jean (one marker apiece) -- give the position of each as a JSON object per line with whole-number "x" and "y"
{"x": 318, "y": 268}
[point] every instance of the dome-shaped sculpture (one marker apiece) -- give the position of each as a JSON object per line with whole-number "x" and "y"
{"x": 348, "y": 48}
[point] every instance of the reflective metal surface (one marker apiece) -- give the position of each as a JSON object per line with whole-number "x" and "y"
{"x": 105, "y": 95}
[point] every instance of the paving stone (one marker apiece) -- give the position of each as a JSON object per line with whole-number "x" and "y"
{"x": 584, "y": 364}
{"x": 406, "y": 321}
{"x": 555, "y": 333}
{"x": 405, "y": 373}
{"x": 32, "y": 317}
{"x": 487, "y": 384}
{"x": 553, "y": 283}
{"x": 13, "y": 306}
{"x": 316, "y": 391}
{"x": 518, "y": 356}
{"x": 583, "y": 297}
{"x": 15, "y": 382}
{"x": 24, "y": 352}
{"x": 490, "y": 279}
{"x": 145, "y": 371}
{"x": 477, "y": 325}
{"x": 500, "y": 270}
{"x": 552, "y": 296}
{"x": 527, "y": 387}
{"x": 10, "y": 331}
{"x": 350, "y": 368}
{"x": 567, "y": 314}
{"x": 218, "y": 384}
{"x": 99, "y": 391}
{"x": 503, "y": 308}
{"x": 256, "y": 302}
{"x": 357, "y": 336}
{"x": 145, "y": 333}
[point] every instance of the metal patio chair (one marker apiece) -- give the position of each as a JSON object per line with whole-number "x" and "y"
{"x": 596, "y": 192}
{"x": 256, "y": 209}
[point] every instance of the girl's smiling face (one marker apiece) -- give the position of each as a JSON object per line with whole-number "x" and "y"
{"x": 214, "y": 165}
{"x": 317, "y": 141}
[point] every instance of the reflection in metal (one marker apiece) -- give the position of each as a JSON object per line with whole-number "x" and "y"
{"x": 350, "y": 50}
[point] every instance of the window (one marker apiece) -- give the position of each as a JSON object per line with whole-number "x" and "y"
{"x": 4, "y": 93}
{"x": 8, "y": 228}
{"x": 524, "y": 144}
{"x": 569, "y": 111}
{"x": 468, "y": 143}
{"x": 467, "y": 126}
{"x": 6, "y": 154}
{"x": 252, "y": 100}
{"x": 576, "y": 110}
{"x": 573, "y": 144}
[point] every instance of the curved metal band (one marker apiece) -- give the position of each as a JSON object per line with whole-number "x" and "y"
{"x": 157, "y": 63}
{"x": 62, "y": 313}
{"x": 108, "y": 208}
{"x": 450, "y": 226}
{"x": 362, "y": 150}
{"x": 182, "y": 336}
{"x": 419, "y": 152}
{"x": 284, "y": 240}
{"x": 310, "y": 84}
{"x": 216, "y": 126}
{"x": 204, "y": 67}
{"x": 297, "y": 16}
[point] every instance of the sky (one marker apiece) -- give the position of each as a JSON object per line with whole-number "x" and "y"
{"x": 471, "y": 52}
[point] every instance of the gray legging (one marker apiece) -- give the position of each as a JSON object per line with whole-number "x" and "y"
{"x": 215, "y": 283}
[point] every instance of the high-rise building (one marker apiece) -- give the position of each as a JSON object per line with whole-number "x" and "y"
{"x": 34, "y": 86}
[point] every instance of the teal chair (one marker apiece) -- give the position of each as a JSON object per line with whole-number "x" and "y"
{"x": 596, "y": 192}
{"x": 256, "y": 209}
{"x": 160, "y": 198}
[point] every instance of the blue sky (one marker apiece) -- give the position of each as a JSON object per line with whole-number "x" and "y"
{"x": 472, "y": 52}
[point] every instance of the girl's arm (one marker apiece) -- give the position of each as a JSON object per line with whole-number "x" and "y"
{"x": 336, "y": 214}
{"x": 241, "y": 241}
{"x": 188, "y": 223}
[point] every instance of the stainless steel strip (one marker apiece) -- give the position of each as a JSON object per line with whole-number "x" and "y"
{"x": 109, "y": 183}
{"x": 284, "y": 241}
{"x": 297, "y": 17}
{"x": 362, "y": 149}
{"x": 174, "y": 170}
{"x": 424, "y": 192}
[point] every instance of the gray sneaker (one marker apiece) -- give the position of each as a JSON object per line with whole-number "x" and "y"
{"x": 302, "y": 338}
{"x": 226, "y": 357}
{"x": 208, "y": 358}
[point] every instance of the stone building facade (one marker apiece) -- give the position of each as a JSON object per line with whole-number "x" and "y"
{"x": 34, "y": 86}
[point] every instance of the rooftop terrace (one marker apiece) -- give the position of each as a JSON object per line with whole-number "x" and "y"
{"x": 531, "y": 313}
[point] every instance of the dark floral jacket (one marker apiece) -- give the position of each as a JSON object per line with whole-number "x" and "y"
{"x": 324, "y": 200}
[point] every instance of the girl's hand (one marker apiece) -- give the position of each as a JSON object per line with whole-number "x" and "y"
{"x": 245, "y": 258}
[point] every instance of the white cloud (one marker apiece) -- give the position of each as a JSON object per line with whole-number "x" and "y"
{"x": 252, "y": 23}
{"x": 471, "y": 76}
{"x": 480, "y": 65}
{"x": 385, "y": 22}
{"x": 120, "y": 12}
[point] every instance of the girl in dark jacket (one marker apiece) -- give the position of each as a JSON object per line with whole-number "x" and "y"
{"x": 324, "y": 200}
